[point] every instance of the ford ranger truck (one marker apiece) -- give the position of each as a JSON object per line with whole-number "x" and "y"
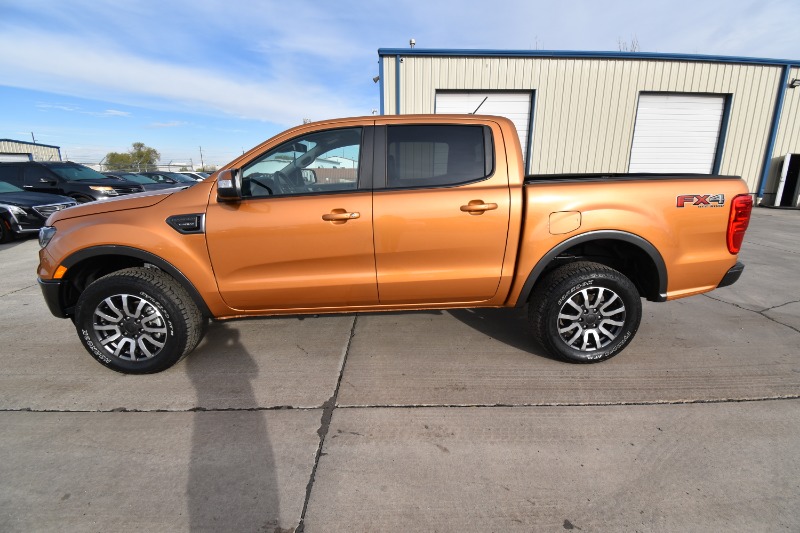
{"x": 384, "y": 214}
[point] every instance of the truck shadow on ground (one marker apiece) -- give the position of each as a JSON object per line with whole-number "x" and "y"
{"x": 231, "y": 484}
{"x": 509, "y": 326}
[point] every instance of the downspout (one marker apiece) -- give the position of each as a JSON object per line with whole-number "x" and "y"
{"x": 380, "y": 79}
{"x": 773, "y": 134}
{"x": 397, "y": 84}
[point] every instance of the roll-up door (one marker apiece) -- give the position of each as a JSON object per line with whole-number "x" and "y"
{"x": 676, "y": 133}
{"x": 515, "y": 106}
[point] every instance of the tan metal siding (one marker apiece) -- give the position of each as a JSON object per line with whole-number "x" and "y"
{"x": 40, "y": 153}
{"x": 586, "y": 108}
{"x": 389, "y": 85}
{"x": 788, "y": 138}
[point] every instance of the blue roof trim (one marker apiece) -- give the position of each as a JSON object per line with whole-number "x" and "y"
{"x": 577, "y": 54}
{"x": 30, "y": 143}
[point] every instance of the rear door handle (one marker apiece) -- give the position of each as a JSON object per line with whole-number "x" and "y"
{"x": 340, "y": 216}
{"x": 477, "y": 207}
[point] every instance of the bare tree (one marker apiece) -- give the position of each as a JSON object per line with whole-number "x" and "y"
{"x": 632, "y": 46}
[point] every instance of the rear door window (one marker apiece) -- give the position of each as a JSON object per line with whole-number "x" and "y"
{"x": 10, "y": 174}
{"x": 37, "y": 176}
{"x": 437, "y": 155}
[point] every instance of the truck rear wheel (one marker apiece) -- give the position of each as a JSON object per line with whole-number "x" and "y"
{"x": 585, "y": 312}
{"x": 138, "y": 321}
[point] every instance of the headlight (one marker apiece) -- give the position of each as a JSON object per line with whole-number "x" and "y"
{"x": 46, "y": 233}
{"x": 105, "y": 190}
{"x": 14, "y": 210}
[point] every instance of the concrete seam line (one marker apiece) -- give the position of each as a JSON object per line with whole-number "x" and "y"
{"x": 574, "y": 404}
{"x": 779, "y": 306}
{"x": 16, "y": 291}
{"x": 427, "y": 406}
{"x": 757, "y": 312}
{"x": 325, "y": 422}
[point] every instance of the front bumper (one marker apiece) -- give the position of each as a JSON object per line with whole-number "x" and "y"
{"x": 732, "y": 275}
{"x": 52, "y": 290}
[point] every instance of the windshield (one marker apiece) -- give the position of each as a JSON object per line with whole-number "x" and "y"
{"x": 138, "y": 178}
{"x": 182, "y": 178}
{"x": 7, "y": 187}
{"x": 73, "y": 172}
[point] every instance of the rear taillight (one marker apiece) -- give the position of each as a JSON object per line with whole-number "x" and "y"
{"x": 741, "y": 207}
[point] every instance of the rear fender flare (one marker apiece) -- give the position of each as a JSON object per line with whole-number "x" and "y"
{"x": 623, "y": 236}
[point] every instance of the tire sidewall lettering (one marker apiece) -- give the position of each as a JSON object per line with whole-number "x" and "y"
{"x": 163, "y": 310}
{"x": 574, "y": 289}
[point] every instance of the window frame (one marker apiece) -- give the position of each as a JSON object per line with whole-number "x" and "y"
{"x": 380, "y": 173}
{"x": 364, "y": 171}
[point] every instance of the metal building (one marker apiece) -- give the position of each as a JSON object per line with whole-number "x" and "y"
{"x": 11, "y": 150}
{"x": 579, "y": 112}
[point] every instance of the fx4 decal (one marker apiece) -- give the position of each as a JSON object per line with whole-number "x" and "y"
{"x": 701, "y": 200}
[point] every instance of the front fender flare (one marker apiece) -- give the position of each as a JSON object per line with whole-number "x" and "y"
{"x": 147, "y": 257}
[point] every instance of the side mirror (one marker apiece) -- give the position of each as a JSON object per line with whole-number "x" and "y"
{"x": 229, "y": 185}
{"x": 309, "y": 176}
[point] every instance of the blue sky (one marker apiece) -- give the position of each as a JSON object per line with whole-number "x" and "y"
{"x": 94, "y": 76}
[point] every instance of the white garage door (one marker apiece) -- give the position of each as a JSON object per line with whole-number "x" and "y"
{"x": 515, "y": 106}
{"x": 676, "y": 133}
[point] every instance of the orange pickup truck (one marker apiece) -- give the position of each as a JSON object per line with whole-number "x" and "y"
{"x": 389, "y": 213}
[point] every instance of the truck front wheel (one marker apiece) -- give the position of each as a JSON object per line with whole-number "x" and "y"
{"x": 585, "y": 312}
{"x": 137, "y": 321}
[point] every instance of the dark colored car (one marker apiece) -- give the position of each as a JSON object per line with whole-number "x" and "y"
{"x": 146, "y": 182}
{"x": 199, "y": 176}
{"x": 65, "y": 178}
{"x": 24, "y": 212}
{"x": 170, "y": 177}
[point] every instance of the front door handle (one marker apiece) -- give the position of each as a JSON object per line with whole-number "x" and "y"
{"x": 477, "y": 207}
{"x": 340, "y": 216}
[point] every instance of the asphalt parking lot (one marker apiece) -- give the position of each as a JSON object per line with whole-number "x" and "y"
{"x": 432, "y": 421}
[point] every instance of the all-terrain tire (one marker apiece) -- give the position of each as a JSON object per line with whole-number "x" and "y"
{"x": 138, "y": 321}
{"x": 585, "y": 312}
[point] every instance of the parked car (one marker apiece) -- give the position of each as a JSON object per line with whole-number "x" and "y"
{"x": 65, "y": 178}
{"x": 434, "y": 212}
{"x": 199, "y": 176}
{"x": 146, "y": 182}
{"x": 23, "y": 212}
{"x": 170, "y": 177}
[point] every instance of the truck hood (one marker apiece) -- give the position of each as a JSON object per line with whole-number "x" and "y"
{"x": 129, "y": 201}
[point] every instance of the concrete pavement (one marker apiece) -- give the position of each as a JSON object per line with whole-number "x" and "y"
{"x": 432, "y": 421}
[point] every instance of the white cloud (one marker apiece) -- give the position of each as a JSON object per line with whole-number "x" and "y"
{"x": 112, "y": 113}
{"x": 170, "y": 124}
{"x": 57, "y": 106}
{"x": 125, "y": 78}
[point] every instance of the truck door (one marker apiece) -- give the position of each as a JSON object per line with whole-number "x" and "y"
{"x": 441, "y": 214}
{"x": 301, "y": 237}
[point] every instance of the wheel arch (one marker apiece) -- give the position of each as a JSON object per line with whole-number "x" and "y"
{"x": 634, "y": 256}
{"x": 85, "y": 266}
